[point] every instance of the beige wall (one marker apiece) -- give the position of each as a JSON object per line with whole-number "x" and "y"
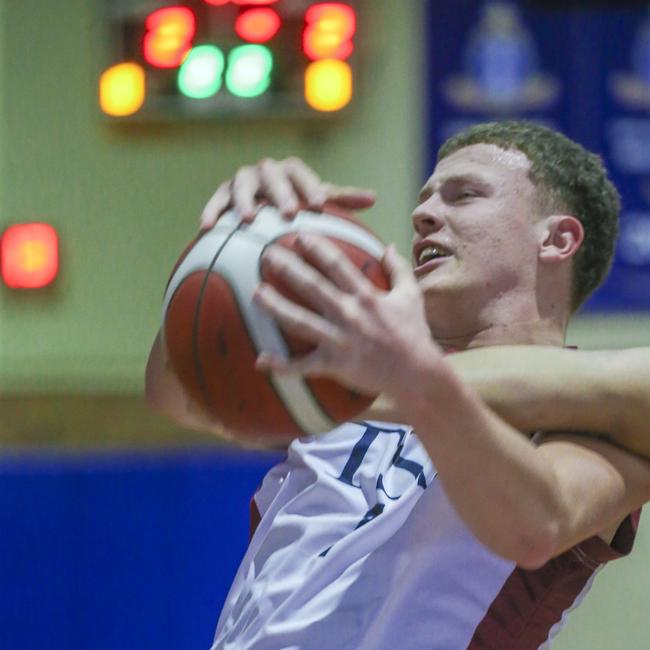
{"x": 126, "y": 199}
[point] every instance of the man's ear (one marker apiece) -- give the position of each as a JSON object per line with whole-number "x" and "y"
{"x": 560, "y": 237}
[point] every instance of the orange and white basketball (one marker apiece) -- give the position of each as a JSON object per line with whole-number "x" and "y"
{"x": 213, "y": 332}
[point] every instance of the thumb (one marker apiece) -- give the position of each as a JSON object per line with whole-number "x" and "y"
{"x": 398, "y": 269}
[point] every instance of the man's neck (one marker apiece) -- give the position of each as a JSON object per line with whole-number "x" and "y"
{"x": 508, "y": 323}
{"x": 516, "y": 333}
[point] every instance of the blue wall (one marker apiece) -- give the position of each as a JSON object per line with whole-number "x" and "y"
{"x": 122, "y": 551}
{"x": 585, "y": 72}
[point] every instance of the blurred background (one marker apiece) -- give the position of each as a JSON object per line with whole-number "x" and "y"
{"x": 117, "y": 529}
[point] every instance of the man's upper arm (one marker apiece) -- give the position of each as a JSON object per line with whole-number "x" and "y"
{"x": 165, "y": 394}
{"x": 598, "y": 484}
{"x": 162, "y": 390}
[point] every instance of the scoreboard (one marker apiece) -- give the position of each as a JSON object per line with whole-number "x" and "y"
{"x": 207, "y": 58}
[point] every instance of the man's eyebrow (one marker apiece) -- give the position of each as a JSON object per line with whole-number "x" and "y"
{"x": 464, "y": 178}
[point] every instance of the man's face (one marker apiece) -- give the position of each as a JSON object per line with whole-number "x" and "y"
{"x": 475, "y": 226}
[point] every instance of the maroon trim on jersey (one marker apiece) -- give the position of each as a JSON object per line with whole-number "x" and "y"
{"x": 597, "y": 551}
{"x": 254, "y": 519}
{"x": 531, "y": 602}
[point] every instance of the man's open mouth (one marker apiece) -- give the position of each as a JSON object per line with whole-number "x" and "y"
{"x": 429, "y": 253}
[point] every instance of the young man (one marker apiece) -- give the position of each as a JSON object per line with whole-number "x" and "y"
{"x": 468, "y": 534}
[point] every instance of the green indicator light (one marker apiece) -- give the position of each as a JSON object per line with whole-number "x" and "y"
{"x": 249, "y": 70}
{"x": 200, "y": 76}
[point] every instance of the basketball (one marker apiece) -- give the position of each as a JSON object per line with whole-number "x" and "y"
{"x": 213, "y": 332}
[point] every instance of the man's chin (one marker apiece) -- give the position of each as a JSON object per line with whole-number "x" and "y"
{"x": 434, "y": 282}
{"x": 442, "y": 290}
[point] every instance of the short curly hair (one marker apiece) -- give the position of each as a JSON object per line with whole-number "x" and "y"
{"x": 569, "y": 180}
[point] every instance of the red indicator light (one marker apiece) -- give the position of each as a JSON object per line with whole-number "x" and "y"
{"x": 169, "y": 36}
{"x": 30, "y": 255}
{"x": 217, "y": 3}
{"x": 329, "y": 31}
{"x": 257, "y": 25}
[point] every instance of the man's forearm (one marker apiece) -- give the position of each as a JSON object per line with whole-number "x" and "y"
{"x": 547, "y": 388}
{"x": 526, "y": 502}
{"x": 496, "y": 480}
{"x": 550, "y": 389}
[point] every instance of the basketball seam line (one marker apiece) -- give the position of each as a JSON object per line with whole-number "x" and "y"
{"x": 197, "y": 312}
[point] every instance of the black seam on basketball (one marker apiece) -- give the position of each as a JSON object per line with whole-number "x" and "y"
{"x": 200, "y": 375}
{"x": 267, "y": 378}
{"x": 187, "y": 251}
{"x": 195, "y": 351}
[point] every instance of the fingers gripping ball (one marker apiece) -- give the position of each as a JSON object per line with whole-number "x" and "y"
{"x": 214, "y": 332}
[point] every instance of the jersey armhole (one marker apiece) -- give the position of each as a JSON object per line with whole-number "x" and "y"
{"x": 599, "y": 551}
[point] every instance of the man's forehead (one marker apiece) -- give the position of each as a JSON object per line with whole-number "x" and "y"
{"x": 481, "y": 158}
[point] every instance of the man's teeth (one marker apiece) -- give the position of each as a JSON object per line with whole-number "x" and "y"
{"x": 430, "y": 253}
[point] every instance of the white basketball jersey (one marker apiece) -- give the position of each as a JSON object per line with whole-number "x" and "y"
{"x": 358, "y": 548}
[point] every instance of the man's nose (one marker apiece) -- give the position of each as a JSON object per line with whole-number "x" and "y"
{"x": 427, "y": 217}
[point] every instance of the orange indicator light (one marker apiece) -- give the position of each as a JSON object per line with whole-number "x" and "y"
{"x": 122, "y": 89}
{"x": 30, "y": 255}
{"x": 329, "y": 31}
{"x": 328, "y": 85}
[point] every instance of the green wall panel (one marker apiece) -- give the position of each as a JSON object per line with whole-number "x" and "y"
{"x": 126, "y": 198}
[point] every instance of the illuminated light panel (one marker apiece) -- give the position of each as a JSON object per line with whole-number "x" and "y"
{"x": 201, "y": 74}
{"x": 249, "y": 70}
{"x": 221, "y": 3}
{"x": 328, "y": 85}
{"x": 257, "y": 25}
{"x": 122, "y": 89}
{"x": 169, "y": 35}
{"x": 30, "y": 255}
{"x": 329, "y": 31}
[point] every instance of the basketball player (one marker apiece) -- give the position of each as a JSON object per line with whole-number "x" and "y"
{"x": 467, "y": 534}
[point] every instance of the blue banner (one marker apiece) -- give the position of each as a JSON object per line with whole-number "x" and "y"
{"x": 584, "y": 72}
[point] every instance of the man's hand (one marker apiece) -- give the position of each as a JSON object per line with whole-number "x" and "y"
{"x": 287, "y": 184}
{"x": 365, "y": 338}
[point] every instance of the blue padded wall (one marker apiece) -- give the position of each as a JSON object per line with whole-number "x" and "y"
{"x": 121, "y": 551}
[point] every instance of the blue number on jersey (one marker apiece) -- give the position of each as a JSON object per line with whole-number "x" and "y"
{"x": 359, "y": 452}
